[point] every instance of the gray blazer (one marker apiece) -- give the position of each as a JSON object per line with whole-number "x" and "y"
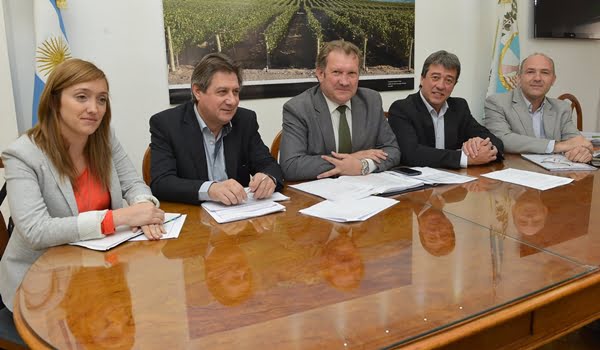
{"x": 308, "y": 133}
{"x": 506, "y": 116}
{"x": 44, "y": 209}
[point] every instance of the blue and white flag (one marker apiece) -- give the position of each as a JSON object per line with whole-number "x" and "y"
{"x": 51, "y": 45}
{"x": 507, "y": 52}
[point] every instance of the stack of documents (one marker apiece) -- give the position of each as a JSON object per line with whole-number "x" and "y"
{"x": 356, "y": 187}
{"x": 249, "y": 209}
{"x": 529, "y": 178}
{"x": 432, "y": 176}
{"x": 594, "y": 137}
{"x": 349, "y": 210}
{"x": 556, "y": 162}
{"x": 173, "y": 225}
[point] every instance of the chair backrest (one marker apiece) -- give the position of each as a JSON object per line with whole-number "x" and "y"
{"x": 146, "y": 167}
{"x": 3, "y": 229}
{"x": 574, "y": 105}
{"x": 275, "y": 146}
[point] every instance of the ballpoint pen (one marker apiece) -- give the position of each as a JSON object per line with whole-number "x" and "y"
{"x": 259, "y": 182}
{"x": 172, "y": 219}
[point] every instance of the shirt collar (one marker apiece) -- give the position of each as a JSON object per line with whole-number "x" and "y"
{"x": 332, "y": 106}
{"x": 430, "y": 108}
{"x": 530, "y": 106}
{"x": 224, "y": 131}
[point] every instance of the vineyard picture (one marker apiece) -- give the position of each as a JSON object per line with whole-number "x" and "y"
{"x": 279, "y": 39}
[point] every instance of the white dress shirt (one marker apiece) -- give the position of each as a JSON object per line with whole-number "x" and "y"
{"x": 335, "y": 122}
{"x": 438, "y": 127}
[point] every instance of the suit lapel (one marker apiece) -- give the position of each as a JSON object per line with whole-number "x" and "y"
{"x": 359, "y": 123}
{"x": 324, "y": 120}
{"x": 65, "y": 186}
{"x": 549, "y": 121}
{"x": 425, "y": 119}
{"x": 195, "y": 142}
{"x": 520, "y": 109}
{"x": 231, "y": 144}
{"x": 450, "y": 128}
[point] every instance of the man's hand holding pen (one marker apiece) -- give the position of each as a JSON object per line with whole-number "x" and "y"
{"x": 262, "y": 185}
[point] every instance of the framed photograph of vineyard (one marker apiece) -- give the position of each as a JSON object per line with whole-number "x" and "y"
{"x": 277, "y": 41}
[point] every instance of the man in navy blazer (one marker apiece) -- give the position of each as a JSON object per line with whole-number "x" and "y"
{"x": 436, "y": 130}
{"x": 209, "y": 148}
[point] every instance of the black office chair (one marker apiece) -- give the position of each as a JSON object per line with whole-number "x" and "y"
{"x": 6, "y": 341}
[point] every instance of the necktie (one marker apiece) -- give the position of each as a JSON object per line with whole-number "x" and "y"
{"x": 344, "y": 139}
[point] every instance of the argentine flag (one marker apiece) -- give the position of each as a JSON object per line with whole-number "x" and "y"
{"x": 51, "y": 46}
{"x": 507, "y": 51}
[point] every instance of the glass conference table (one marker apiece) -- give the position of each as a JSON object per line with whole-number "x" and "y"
{"x": 482, "y": 265}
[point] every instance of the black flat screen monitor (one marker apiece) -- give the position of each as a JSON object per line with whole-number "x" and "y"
{"x": 575, "y": 19}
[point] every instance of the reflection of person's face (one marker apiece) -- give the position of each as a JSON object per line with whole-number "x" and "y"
{"x": 436, "y": 232}
{"x": 529, "y": 213}
{"x": 103, "y": 325}
{"x": 228, "y": 275}
{"x": 342, "y": 264}
{"x": 339, "y": 79}
{"x": 113, "y": 323}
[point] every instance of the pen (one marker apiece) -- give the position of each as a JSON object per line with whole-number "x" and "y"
{"x": 172, "y": 219}
{"x": 263, "y": 179}
{"x": 259, "y": 182}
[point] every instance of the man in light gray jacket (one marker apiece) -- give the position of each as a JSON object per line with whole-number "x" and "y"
{"x": 529, "y": 122}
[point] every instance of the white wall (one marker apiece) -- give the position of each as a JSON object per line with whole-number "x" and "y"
{"x": 8, "y": 131}
{"x": 125, "y": 39}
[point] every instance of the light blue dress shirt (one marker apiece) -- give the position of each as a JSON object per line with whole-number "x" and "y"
{"x": 215, "y": 155}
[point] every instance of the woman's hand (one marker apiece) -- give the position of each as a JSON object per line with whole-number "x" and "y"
{"x": 152, "y": 232}
{"x": 140, "y": 214}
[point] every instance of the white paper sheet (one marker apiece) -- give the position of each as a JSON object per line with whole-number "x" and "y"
{"x": 557, "y": 162}
{"x": 529, "y": 178}
{"x": 355, "y": 187}
{"x": 249, "y": 209}
{"x": 384, "y": 182}
{"x": 124, "y": 233}
{"x": 172, "y": 228}
{"x": 434, "y": 176}
{"x": 334, "y": 190}
{"x": 349, "y": 210}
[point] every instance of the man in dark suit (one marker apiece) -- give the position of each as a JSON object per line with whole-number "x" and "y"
{"x": 436, "y": 130}
{"x": 336, "y": 128}
{"x": 208, "y": 149}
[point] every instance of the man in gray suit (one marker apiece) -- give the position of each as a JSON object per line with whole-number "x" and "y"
{"x": 529, "y": 122}
{"x": 336, "y": 128}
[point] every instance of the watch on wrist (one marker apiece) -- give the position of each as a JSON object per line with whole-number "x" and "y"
{"x": 364, "y": 167}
